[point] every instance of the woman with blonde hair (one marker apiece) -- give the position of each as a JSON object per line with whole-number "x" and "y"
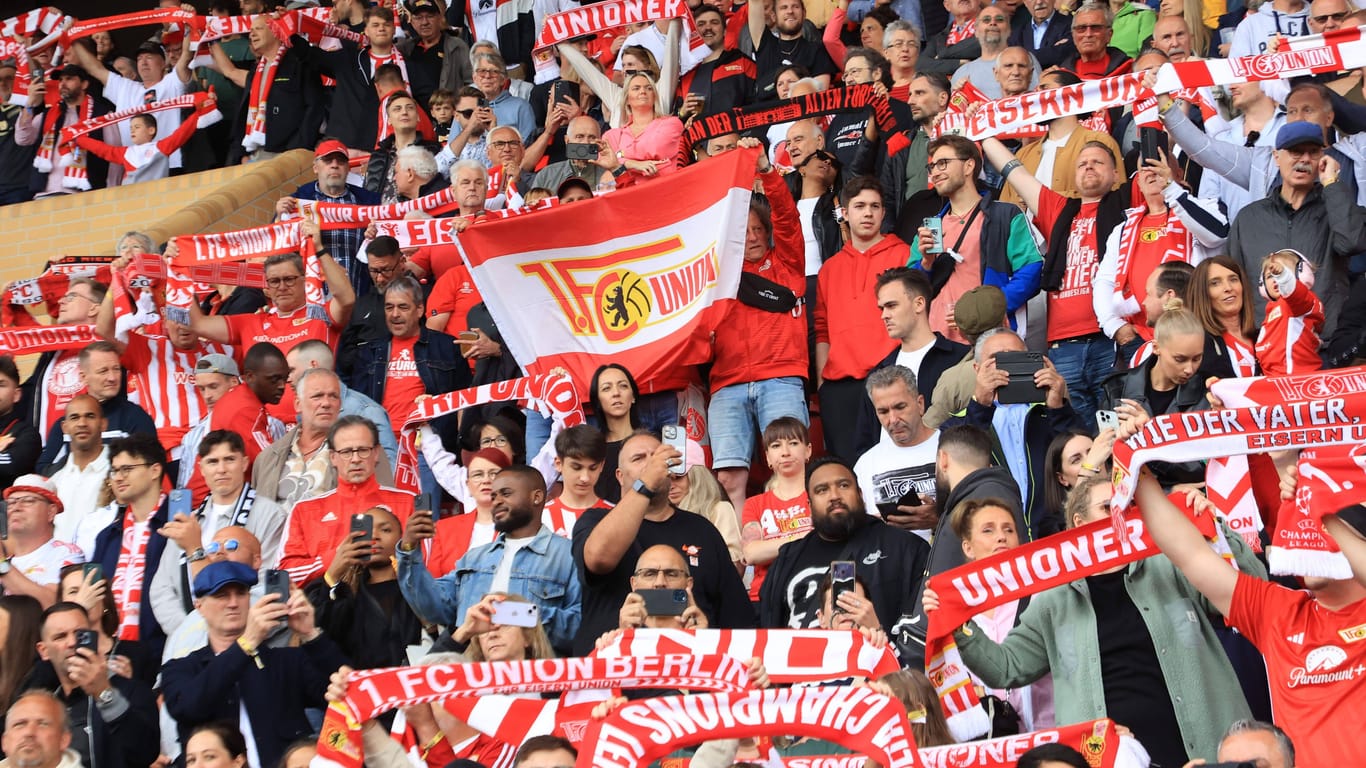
{"x": 635, "y": 59}
{"x": 646, "y": 144}
{"x": 698, "y": 491}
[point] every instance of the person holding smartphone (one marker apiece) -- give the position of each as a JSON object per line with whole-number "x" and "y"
{"x": 897, "y": 474}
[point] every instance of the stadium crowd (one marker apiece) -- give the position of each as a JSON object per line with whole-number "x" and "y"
{"x": 940, "y": 351}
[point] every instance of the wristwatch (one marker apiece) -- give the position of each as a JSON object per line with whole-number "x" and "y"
{"x": 105, "y": 697}
{"x": 197, "y": 555}
{"x": 641, "y": 488}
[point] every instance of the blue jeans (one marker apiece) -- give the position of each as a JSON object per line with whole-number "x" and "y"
{"x": 537, "y": 432}
{"x": 1084, "y": 363}
{"x": 739, "y": 413}
{"x": 657, "y": 410}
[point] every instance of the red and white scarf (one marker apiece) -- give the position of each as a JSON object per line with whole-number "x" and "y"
{"x": 45, "y": 338}
{"x": 1177, "y": 241}
{"x": 348, "y": 216}
{"x": 601, "y": 16}
{"x": 789, "y": 655}
{"x": 241, "y": 245}
{"x": 960, "y": 32}
{"x": 187, "y": 101}
{"x": 72, "y": 160}
{"x": 46, "y": 21}
{"x": 258, "y": 98}
{"x": 88, "y": 27}
{"x": 1330, "y": 479}
{"x": 131, "y": 572}
{"x": 13, "y": 49}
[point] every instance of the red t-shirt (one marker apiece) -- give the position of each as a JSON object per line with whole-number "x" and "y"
{"x": 1316, "y": 664}
{"x": 454, "y": 292}
{"x": 284, "y": 331}
{"x": 777, "y": 518}
{"x": 560, "y": 517}
{"x": 1150, "y": 251}
{"x": 402, "y": 384}
{"x": 1070, "y": 312}
{"x": 240, "y": 411}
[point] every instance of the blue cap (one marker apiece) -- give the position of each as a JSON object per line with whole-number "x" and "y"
{"x": 215, "y": 576}
{"x": 1299, "y": 132}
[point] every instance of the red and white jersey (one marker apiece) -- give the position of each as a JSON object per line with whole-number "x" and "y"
{"x": 560, "y": 517}
{"x": 161, "y": 380}
{"x": 777, "y": 519}
{"x": 61, "y": 382}
{"x": 1289, "y": 341}
{"x": 43, "y": 565}
{"x": 1315, "y": 662}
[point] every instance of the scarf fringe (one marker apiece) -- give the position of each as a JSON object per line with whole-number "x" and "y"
{"x": 1290, "y": 561}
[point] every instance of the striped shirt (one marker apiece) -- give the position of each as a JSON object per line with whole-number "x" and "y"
{"x": 161, "y": 380}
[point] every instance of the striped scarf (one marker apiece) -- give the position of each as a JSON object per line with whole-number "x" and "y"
{"x": 255, "y": 134}
{"x": 72, "y": 160}
{"x": 131, "y": 573}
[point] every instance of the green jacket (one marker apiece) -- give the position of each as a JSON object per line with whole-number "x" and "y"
{"x": 1057, "y": 633}
{"x": 1133, "y": 24}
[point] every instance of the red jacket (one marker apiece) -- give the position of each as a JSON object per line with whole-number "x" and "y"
{"x": 752, "y": 344}
{"x": 317, "y": 526}
{"x": 847, "y": 317}
{"x": 240, "y": 411}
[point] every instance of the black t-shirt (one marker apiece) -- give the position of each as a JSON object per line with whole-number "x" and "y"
{"x": 716, "y": 587}
{"x": 424, "y": 69}
{"x": 607, "y": 488}
{"x": 1135, "y": 691}
{"x": 802, "y": 592}
{"x": 1159, "y": 402}
{"x": 774, "y": 54}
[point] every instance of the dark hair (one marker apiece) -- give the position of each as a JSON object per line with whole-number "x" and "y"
{"x": 548, "y": 743}
{"x": 1318, "y": 88}
{"x": 96, "y": 346}
{"x": 109, "y": 616}
{"x": 97, "y": 289}
{"x": 228, "y": 7}
{"x": 583, "y": 441}
{"x": 966, "y": 443}
{"x": 383, "y": 246}
{"x": 444, "y": 96}
{"x": 875, "y": 60}
{"x": 1065, "y": 77}
{"x": 785, "y": 427}
{"x": 149, "y": 120}
{"x": 468, "y": 92}
{"x": 1197, "y": 297}
{"x": 1051, "y": 753}
{"x": 759, "y": 206}
{"x": 533, "y": 476}
{"x": 351, "y": 420}
{"x": 259, "y": 353}
{"x": 64, "y": 606}
{"x": 17, "y": 653}
{"x": 825, "y": 461}
{"x": 231, "y": 738}
{"x": 884, "y": 15}
{"x": 1054, "y": 492}
{"x": 797, "y": 69}
{"x": 915, "y": 281}
{"x": 963, "y": 149}
{"x": 389, "y": 71}
{"x": 9, "y": 369}
{"x": 705, "y": 8}
{"x": 1109, "y": 152}
{"x": 398, "y": 96}
{"x": 222, "y": 437}
{"x": 859, "y": 184}
{"x": 295, "y": 746}
{"x": 1174, "y": 276}
{"x": 937, "y": 80}
{"x": 505, "y": 425}
{"x": 597, "y": 404}
{"x": 142, "y": 446}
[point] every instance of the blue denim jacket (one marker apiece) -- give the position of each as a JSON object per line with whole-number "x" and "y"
{"x": 439, "y": 364}
{"x": 542, "y": 572}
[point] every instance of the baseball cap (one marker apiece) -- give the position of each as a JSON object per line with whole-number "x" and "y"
{"x": 151, "y": 46}
{"x": 570, "y": 183}
{"x": 217, "y": 575}
{"x": 979, "y": 310}
{"x": 330, "y": 147}
{"x": 36, "y": 484}
{"x": 71, "y": 70}
{"x": 9, "y": 62}
{"x": 1299, "y": 132}
{"x": 423, "y": 6}
{"x": 217, "y": 364}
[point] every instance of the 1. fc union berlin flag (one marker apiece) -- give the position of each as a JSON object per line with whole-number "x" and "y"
{"x": 630, "y": 277}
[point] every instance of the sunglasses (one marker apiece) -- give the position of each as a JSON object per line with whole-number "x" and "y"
{"x": 819, "y": 154}
{"x": 465, "y": 113}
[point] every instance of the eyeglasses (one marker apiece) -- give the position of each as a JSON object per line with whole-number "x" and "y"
{"x": 124, "y": 470}
{"x": 465, "y": 113}
{"x": 25, "y": 501}
{"x": 941, "y": 164}
{"x": 993, "y": 19}
{"x": 74, "y": 295}
{"x": 487, "y": 73}
{"x": 362, "y": 452}
{"x": 1088, "y": 28}
{"x": 855, "y": 72}
{"x": 283, "y": 282}
{"x": 383, "y": 271}
{"x": 653, "y": 573}
{"x": 504, "y": 144}
{"x": 1338, "y": 17}
{"x": 904, "y": 44}
{"x": 225, "y": 546}
{"x": 490, "y": 442}
{"x": 484, "y": 474}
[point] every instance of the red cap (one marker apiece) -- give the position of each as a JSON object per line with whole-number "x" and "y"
{"x": 331, "y": 147}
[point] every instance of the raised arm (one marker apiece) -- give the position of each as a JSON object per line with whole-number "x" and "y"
{"x": 614, "y": 535}
{"x": 757, "y": 28}
{"x": 90, "y": 63}
{"x": 225, "y": 67}
{"x": 1023, "y": 183}
{"x": 338, "y": 282}
{"x": 1182, "y": 543}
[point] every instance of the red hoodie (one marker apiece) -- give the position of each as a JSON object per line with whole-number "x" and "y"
{"x": 752, "y": 344}
{"x": 317, "y": 526}
{"x": 846, "y": 308}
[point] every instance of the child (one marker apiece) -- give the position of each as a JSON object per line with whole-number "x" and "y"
{"x": 781, "y": 513}
{"x": 148, "y": 159}
{"x": 441, "y": 106}
{"x": 579, "y": 455}
{"x": 1289, "y": 341}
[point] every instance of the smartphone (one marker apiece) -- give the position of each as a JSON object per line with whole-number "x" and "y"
{"x": 88, "y": 638}
{"x": 841, "y": 580}
{"x": 423, "y": 503}
{"x": 936, "y": 227}
{"x": 4, "y": 520}
{"x": 1021, "y": 366}
{"x": 180, "y": 503}
{"x": 676, "y": 438}
{"x": 483, "y": 103}
{"x": 910, "y": 499}
{"x": 563, "y": 90}
{"x": 1150, "y": 140}
{"x": 576, "y": 151}
{"x": 277, "y": 583}
{"x": 95, "y": 568}
{"x": 513, "y": 614}
{"x": 365, "y": 524}
{"x": 664, "y": 602}
{"x": 1106, "y": 420}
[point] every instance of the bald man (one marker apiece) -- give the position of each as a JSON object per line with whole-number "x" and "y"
{"x": 581, "y": 130}
{"x": 234, "y": 544}
{"x": 661, "y": 567}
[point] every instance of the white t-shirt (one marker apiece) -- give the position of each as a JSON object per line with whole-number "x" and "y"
{"x": 502, "y": 576}
{"x": 806, "y": 208}
{"x": 913, "y": 359}
{"x": 79, "y": 490}
{"x": 126, "y": 94}
{"x": 43, "y": 565}
{"x": 888, "y": 471}
{"x": 1044, "y": 173}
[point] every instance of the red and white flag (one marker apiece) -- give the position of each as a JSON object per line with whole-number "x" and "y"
{"x": 618, "y": 278}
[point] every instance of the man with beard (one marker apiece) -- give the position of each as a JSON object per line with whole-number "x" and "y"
{"x": 475, "y": 119}
{"x": 785, "y": 45}
{"x": 524, "y": 558}
{"x": 55, "y": 172}
{"x": 993, "y": 25}
{"x": 889, "y": 561}
{"x": 1047, "y": 36}
{"x": 903, "y": 173}
{"x": 81, "y": 475}
{"x": 724, "y": 79}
